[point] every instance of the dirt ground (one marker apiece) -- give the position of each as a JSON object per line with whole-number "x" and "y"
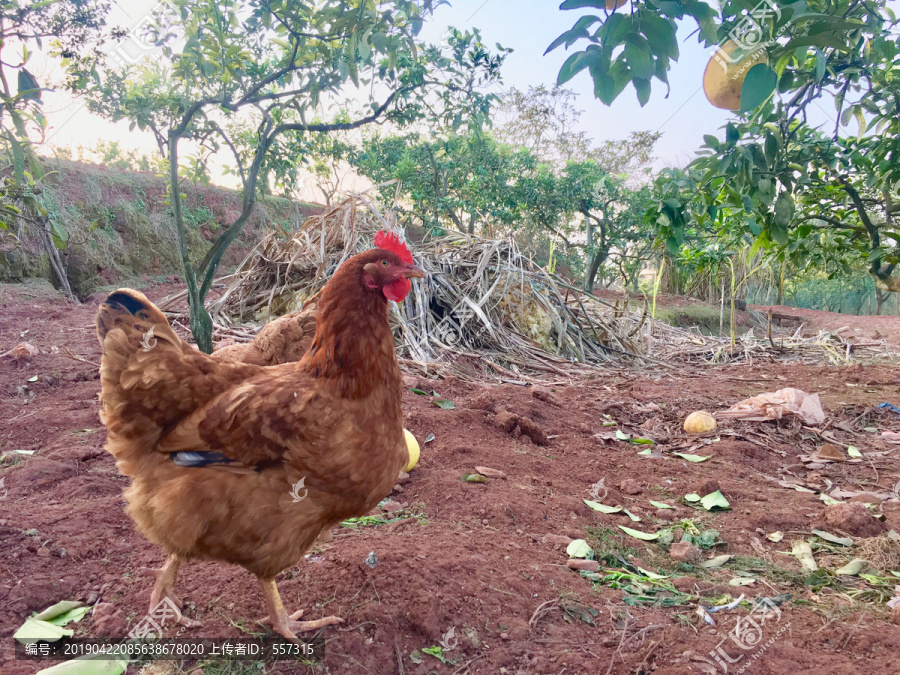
{"x": 488, "y": 560}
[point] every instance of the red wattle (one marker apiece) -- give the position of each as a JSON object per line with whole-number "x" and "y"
{"x": 397, "y": 290}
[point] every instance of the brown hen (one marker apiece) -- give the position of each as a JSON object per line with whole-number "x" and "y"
{"x": 282, "y": 340}
{"x": 248, "y": 464}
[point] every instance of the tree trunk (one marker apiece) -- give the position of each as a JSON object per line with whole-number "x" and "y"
{"x": 56, "y": 263}
{"x": 589, "y": 262}
{"x": 880, "y": 297}
{"x": 456, "y": 221}
{"x": 598, "y": 259}
{"x": 201, "y": 323}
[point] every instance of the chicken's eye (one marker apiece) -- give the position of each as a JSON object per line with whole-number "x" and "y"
{"x": 385, "y": 263}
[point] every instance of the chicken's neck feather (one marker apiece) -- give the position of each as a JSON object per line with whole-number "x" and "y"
{"x": 353, "y": 348}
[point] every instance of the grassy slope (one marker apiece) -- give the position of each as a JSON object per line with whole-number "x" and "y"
{"x": 120, "y": 227}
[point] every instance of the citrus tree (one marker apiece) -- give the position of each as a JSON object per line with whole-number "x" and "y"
{"x": 62, "y": 28}
{"x": 276, "y": 63}
{"x": 799, "y": 194}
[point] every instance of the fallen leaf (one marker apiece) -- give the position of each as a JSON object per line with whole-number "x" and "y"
{"x": 692, "y": 458}
{"x": 444, "y": 404}
{"x": 757, "y": 546}
{"x": 742, "y": 581}
{"x": 621, "y": 436}
{"x": 651, "y": 575}
{"x": 34, "y": 630}
{"x": 693, "y": 497}
{"x": 602, "y": 508}
{"x": 852, "y": 568}
{"x": 101, "y": 664}
{"x": 22, "y": 349}
{"x": 853, "y": 451}
{"x": 651, "y": 452}
{"x": 33, "y": 379}
{"x": 661, "y": 505}
{"x": 634, "y": 518}
{"x": 637, "y": 534}
{"x": 58, "y": 609}
{"x": 578, "y": 548}
{"x": 794, "y": 486}
{"x": 775, "y": 536}
{"x": 803, "y": 552}
{"x": 829, "y": 500}
{"x": 715, "y": 500}
{"x": 474, "y": 478}
{"x": 774, "y": 405}
{"x": 833, "y": 538}
{"x": 718, "y": 561}
{"x": 428, "y": 439}
{"x": 831, "y": 452}
{"x": 419, "y": 392}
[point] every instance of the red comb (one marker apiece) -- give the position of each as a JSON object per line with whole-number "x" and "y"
{"x": 390, "y": 242}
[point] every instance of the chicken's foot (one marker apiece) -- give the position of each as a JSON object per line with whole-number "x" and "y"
{"x": 165, "y": 588}
{"x": 284, "y": 625}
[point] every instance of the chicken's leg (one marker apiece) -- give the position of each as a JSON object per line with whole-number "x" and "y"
{"x": 165, "y": 588}
{"x": 283, "y": 624}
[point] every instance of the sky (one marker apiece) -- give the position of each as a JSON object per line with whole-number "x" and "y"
{"x": 528, "y": 27}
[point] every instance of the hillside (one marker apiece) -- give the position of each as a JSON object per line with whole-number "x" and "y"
{"x": 120, "y": 227}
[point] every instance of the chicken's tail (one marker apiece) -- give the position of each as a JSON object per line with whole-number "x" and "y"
{"x": 140, "y": 321}
{"x": 150, "y": 378}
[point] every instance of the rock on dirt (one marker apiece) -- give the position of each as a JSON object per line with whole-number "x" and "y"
{"x": 707, "y": 487}
{"x": 630, "y": 486}
{"x": 108, "y": 621}
{"x": 533, "y": 431}
{"x": 506, "y": 421}
{"x": 854, "y": 519}
{"x": 684, "y": 551}
{"x": 520, "y": 426}
{"x": 586, "y": 565}
{"x": 556, "y": 539}
{"x": 546, "y": 395}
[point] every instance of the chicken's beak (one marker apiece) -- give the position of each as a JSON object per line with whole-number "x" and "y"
{"x": 413, "y": 272}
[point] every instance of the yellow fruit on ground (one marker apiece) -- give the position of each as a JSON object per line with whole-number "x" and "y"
{"x": 413, "y": 446}
{"x": 700, "y": 422}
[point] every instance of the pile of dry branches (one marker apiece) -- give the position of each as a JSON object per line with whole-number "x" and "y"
{"x": 484, "y": 310}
